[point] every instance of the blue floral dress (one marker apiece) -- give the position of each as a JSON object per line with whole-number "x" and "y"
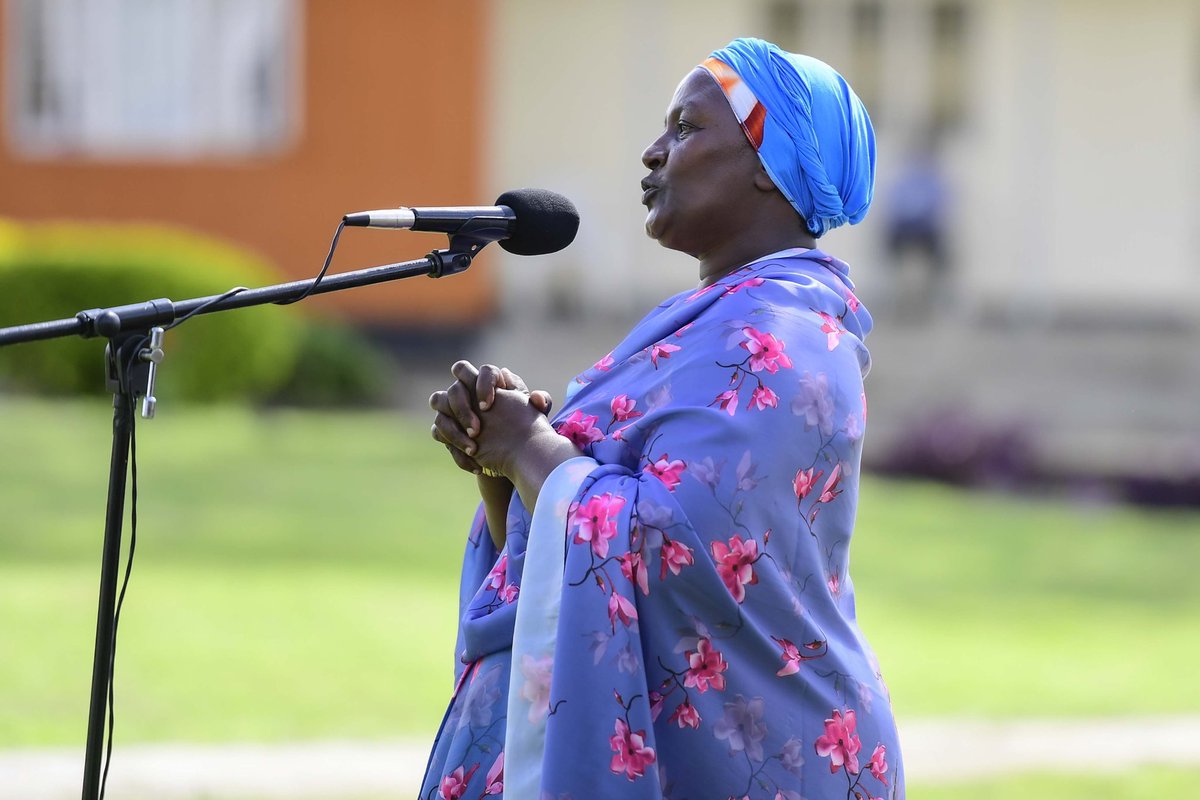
{"x": 676, "y": 617}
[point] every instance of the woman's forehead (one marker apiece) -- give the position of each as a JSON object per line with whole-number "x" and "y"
{"x": 697, "y": 89}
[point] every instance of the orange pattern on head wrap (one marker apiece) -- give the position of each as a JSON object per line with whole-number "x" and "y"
{"x": 749, "y": 112}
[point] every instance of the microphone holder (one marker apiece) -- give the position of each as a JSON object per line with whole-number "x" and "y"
{"x": 135, "y": 348}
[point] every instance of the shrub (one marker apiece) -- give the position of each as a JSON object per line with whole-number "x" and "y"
{"x": 52, "y": 271}
{"x": 337, "y": 366}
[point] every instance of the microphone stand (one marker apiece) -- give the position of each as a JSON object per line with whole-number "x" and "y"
{"x": 135, "y": 334}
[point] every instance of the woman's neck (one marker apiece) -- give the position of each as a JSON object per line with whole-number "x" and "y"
{"x": 718, "y": 264}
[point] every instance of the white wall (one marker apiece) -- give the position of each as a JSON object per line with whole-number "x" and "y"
{"x": 1077, "y": 168}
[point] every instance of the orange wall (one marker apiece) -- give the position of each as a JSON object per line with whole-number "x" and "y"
{"x": 391, "y": 108}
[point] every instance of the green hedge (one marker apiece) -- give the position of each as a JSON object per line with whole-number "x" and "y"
{"x": 52, "y": 271}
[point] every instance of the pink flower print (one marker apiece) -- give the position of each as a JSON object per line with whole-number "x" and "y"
{"x": 707, "y": 472}
{"x": 762, "y": 398}
{"x": 853, "y": 427}
{"x": 633, "y": 567}
{"x": 705, "y": 666}
{"x": 667, "y": 471}
{"x": 686, "y": 716}
{"x": 627, "y": 661}
{"x": 727, "y": 401}
{"x": 657, "y": 701}
{"x": 792, "y": 756}
{"x": 662, "y": 350}
{"x": 596, "y": 522}
{"x": 742, "y": 727}
{"x": 804, "y": 482}
{"x": 830, "y": 491}
{"x": 454, "y": 785}
{"x": 878, "y": 763}
{"x": 495, "y": 578}
{"x": 509, "y": 595}
{"x": 791, "y": 657}
{"x": 536, "y": 689}
{"x": 749, "y": 283}
{"x": 598, "y": 645}
{"x": 620, "y": 607}
{"x": 674, "y": 556}
{"x": 622, "y": 408}
{"x": 495, "y": 777}
{"x": 852, "y": 301}
{"x": 747, "y": 479}
{"x": 832, "y": 326}
{"x": 658, "y": 397}
{"x": 766, "y": 352}
{"x": 735, "y": 564}
{"x": 604, "y": 364}
{"x": 581, "y": 429}
{"x": 835, "y": 584}
{"x": 632, "y": 755}
{"x": 840, "y": 744}
{"x": 814, "y": 403}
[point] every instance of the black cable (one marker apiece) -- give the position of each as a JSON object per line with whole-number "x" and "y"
{"x": 129, "y": 409}
{"x": 321, "y": 274}
{"x": 201, "y": 307}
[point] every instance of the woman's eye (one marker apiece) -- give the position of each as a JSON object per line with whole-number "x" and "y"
{"x": 683, "y": 128}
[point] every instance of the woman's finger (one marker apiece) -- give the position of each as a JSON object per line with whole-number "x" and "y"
{"x": 463, "y": 461}
{"x": 447, "y": 431}
{"x": 464, "y": 372}
{"x": 440, "y": 402}
{"x": 490, "y": 379}
{"x": 541, "y": 400}
{"x": 458, "y": 400}
{"x": 512, "y": 380}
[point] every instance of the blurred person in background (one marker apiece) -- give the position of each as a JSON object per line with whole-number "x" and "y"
{"x": 917, "y": 228}
{"x": 655, "y": 597}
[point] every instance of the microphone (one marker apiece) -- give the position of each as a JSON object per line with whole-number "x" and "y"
{"x": 528, "y": 222}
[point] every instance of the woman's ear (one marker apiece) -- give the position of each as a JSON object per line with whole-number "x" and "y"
{"x": 762, "y": 181}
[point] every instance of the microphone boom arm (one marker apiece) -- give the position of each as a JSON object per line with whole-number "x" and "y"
{"x": 110, "y": 322}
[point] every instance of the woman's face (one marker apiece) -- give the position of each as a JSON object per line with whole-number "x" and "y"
{"x": 702, "y": 168}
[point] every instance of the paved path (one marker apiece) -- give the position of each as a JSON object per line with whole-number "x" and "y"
{"x": 936, "y": 751}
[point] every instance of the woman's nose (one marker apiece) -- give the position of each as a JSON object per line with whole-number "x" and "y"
{"x": 654, "y": 155}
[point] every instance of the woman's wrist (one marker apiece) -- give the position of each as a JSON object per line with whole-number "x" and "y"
{"x": 543, "y": 453}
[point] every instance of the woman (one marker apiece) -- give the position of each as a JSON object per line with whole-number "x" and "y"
{"x": 663, "y": 608}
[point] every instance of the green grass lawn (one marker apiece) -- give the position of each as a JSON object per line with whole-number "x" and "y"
{"x": 1148, "y": 783}
{"x": 296, "y": 578}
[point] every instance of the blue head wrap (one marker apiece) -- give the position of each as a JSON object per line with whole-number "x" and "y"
{"x": 812, "y": 133}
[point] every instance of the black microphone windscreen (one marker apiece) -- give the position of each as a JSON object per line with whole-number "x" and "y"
{"x": 546, "y": 221}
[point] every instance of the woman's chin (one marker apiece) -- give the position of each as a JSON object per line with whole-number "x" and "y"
{"x": 654, "y": 228}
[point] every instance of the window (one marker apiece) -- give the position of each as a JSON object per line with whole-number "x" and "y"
{"x": 949, "y": 63}
{"x": 151, "y": 79}
{"x": 784, "y": 20}
{"x": 866, "y": 65}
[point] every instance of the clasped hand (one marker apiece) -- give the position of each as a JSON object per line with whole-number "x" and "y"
{"x": 487, "y": 418}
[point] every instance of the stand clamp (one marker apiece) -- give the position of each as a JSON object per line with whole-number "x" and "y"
{"x": 133, "y": 360}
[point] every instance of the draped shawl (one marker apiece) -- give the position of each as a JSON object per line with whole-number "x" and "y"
{"x": 676, "y": 618}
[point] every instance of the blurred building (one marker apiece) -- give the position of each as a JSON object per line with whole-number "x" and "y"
{"x": 1067, "y": 134}
{"x": 1069, "y": 130}
{"x": 260, "y": 121}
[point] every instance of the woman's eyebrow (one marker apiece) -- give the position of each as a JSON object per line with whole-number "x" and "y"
{"x": 674, "y": 114}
